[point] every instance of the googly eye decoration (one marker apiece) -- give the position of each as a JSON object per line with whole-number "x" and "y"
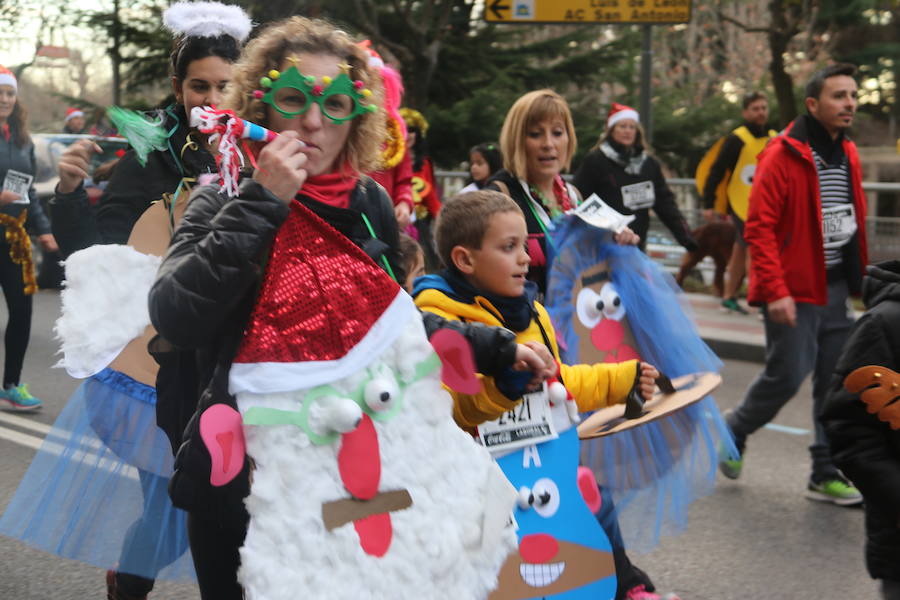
{"x": 611, "y": 303}
{"x": 381, "y": 394}
{"x": 546, "y": 497}
{"x": 587, "y": 308}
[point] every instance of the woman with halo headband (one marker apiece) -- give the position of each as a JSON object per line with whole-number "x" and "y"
{"x": 97, "y": 488}
{"x": 312, "y": 85}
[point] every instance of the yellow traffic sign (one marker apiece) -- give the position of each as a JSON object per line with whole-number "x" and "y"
{"x": 587, "y": 11}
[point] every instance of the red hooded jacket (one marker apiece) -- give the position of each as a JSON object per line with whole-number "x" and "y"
{"x": 784, "y": 223}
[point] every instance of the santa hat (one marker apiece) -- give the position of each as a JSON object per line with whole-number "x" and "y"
{"x": 618, "y": 112}
{"x": 325, "y": 311}
{"x": 72, "y": 113}
{"x": 7, "y": 78}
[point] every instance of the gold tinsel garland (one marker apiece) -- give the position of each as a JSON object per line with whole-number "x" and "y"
{"x": 20, "y": 248}
{"x": 395, "y": 145}
{"x": 416, "y": 119}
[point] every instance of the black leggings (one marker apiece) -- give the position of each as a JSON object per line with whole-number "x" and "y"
{"x": 18, "y": 327}
{"x": 216, "y": 559}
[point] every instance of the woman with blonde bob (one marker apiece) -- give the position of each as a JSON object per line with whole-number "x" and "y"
{"x": 537, "y": 142}
{"x": 310, "y": 83}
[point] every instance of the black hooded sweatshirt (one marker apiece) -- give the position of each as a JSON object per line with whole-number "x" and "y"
{"x": 865, "y": 448}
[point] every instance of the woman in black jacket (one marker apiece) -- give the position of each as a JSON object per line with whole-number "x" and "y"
{"x": 201, "y": 67}
{"x": 624, "y": 175}
{"x": 19, "y": 209}
{"x": 210, "y": 276}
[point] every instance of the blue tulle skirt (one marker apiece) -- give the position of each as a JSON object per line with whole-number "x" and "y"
{"x": 97, "y": 489}
{"x": 652, "y": 472}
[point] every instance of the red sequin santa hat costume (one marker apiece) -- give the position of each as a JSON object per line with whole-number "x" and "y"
{"x": 325, "y": 311}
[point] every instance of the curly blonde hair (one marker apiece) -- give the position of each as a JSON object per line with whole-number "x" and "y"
{"x": 298, "y": 35}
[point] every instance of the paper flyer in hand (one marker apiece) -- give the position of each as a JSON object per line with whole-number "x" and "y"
{"x": 598, "y": 213}
{"x": 18, "y": 183}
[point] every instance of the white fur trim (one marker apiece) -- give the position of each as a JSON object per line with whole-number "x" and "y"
{"x": 628, "y": 113}
{"x": 275, "y": 377}
{"x": 72, "y": 115}
{"x": 207, "y": 19}
{"x": 104, "y": 305}
{"x": 8, "y": 79}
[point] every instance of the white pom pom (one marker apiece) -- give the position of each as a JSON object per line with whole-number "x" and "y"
{"x": 557, "y": 392}
{"x": 572, "y": 411}
{"x": 207, "y": 19}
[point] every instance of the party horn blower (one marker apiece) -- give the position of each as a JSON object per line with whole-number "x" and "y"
{"x": 209, "y": 120}
{"x": 226, "y": 128}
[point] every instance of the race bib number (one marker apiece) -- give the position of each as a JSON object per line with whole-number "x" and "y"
{"x": 18, "y": 183}
{"x": 638, "y": 196}
{"x": 838, "y": 225}
{"x": 530, "y": 422}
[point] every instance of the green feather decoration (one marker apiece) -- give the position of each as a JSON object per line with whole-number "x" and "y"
{"x": 143, "y": 135}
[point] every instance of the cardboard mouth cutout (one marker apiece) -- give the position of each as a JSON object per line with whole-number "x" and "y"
{"x": 570, "y": 567}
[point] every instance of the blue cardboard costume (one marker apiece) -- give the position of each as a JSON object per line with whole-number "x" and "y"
{"x": 610, "y": 303}
{"x": 563, "y": 553}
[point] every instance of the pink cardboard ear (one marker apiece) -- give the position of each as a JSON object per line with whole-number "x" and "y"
{"x": 457, "y": 361}
{"x": 223, "y": 434}
{"x": 587, "y": 485}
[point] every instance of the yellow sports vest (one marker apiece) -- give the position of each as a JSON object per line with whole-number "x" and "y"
{"x": 744, "y": 169}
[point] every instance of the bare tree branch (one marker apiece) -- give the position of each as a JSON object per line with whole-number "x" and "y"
{"x": 744, "y": 26}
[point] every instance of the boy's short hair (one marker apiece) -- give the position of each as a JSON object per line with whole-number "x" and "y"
{"x": 463, "y": 220}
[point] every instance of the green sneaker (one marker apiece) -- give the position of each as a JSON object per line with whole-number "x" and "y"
{"x": 731, "y": 305}
{"x": 836, "y": 490}
{"x": 19, "y": 398}
{"x": 730, "y": 467}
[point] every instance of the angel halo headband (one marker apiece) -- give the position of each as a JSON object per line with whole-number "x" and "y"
{"x": 291, "y": 93}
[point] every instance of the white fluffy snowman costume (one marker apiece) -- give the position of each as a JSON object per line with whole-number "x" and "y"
{"x": 363, "y": 486}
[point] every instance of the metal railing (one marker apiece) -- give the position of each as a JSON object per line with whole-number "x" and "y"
{"x": 883, "y": 232}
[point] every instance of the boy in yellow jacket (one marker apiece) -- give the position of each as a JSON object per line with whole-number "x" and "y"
{"x": 482, "y": 239}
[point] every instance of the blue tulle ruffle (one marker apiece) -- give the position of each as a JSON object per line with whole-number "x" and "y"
{"x": 96, "y": 490}
{"x": 654, "y": 471}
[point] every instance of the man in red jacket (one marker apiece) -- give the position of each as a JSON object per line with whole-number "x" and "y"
{"x": 806, "y": 234}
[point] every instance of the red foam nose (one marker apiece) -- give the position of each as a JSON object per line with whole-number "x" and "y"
{"x": 607, "y": 335}
{"x": 538, "y": 548}
{"x": 359, "y": 460}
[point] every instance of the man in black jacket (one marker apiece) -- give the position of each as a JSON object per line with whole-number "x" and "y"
{"x": 865, "y": 435}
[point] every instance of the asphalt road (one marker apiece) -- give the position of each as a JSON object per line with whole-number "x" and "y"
{"x": 757, "y": 538}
